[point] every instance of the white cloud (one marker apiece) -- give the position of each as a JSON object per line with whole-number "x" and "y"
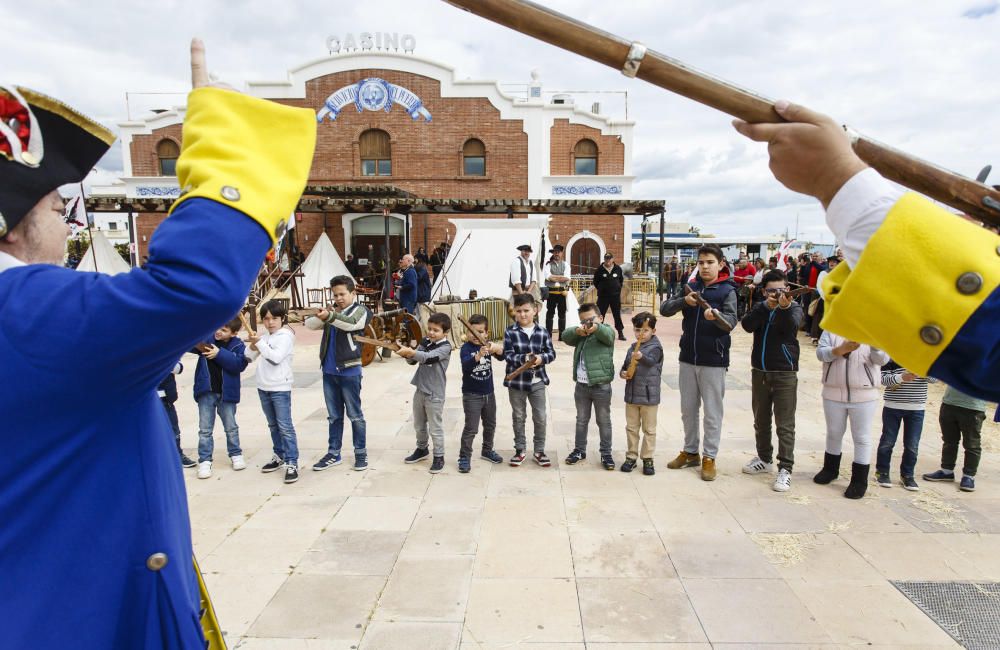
{"x": 919, "y": 76}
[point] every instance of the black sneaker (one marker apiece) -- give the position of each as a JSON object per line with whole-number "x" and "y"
{"x": 187, "y": 462}
{"x": 437, "y": 465}
{"x": 360, "y": 462}
{"x": 517, "y": 458}
{"x": 464, "y": 464}
{"x": 291, "y": 473}
{"x": 883, "y": 480}
{"x": 647, "y": 467}
{"x": 274, "y": 464}
{"x": 909, "y": 483}
{"x": 417, "y": 455}
{"x": 621, "y": 336}
{"x": 492, "y": 456}
{"x": 607, "y": 462}
{"x": 542, "y": 459}
{"x": 628, "y": 465}
{"x": 575, "y": 457}
{"x": 326, "y": 462}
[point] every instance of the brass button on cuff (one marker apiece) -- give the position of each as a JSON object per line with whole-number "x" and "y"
{"x": 230, "y": 193}
{"x": 969, "y": 283}
{"x": 931, "y": 334}
{"x": 156, "y": 561}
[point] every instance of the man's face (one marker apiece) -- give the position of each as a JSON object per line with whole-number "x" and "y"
{"x": 557, "y": 255}
{"x": 525, "y": 254}
{"x": 342, "y": 297}
{"x": 817, "y": 258}
{"x": 525, "y": 314}
{"x": 833, "y": 264}
{"x": 608, "y": 261}
{"x": 708, "y": 267}
{"x": 742, "y": 263}
{"x": 43, "y": 232}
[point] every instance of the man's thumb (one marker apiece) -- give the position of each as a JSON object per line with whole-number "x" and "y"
{"x": 797, "y": 113}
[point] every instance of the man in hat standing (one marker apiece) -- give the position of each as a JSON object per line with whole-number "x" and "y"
{"x": 95, "y": 545}
{"x": 523, "y": 277}
{"x": 608, "y": 279}
{"x": 557, "y": 283}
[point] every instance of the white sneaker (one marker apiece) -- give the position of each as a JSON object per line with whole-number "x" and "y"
{"x": 757, "y": 466}
{"x": 238, "y": 462}
{"x": 205, "y": 469}
{"x": 783, "y": 481}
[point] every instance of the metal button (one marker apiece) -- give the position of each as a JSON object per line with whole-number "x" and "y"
{"x": 29, "y": 158}
{"x": 279, "y": 230}
{"x": 3, "y": 225}
{"x": 230, "y": 193}
{"x": 931, "y": 334}
{"x": 998, "y": 250}
{"x": 969, "y": 283}
{"x": 156, "y": 561}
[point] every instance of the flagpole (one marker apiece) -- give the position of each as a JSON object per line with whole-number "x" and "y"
{"x": 90, "y": 226}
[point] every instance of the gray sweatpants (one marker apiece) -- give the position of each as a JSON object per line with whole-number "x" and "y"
{"x": 519, "y": 400}
{"x": 861, "y": 415}
{"x": 702, "y": 385}
{"x": 428, "y": 413}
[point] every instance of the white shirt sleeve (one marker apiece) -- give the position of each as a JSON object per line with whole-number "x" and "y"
{"x": 858, "y": 209}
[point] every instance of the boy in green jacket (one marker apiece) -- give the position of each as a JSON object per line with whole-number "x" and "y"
{"x": 593, "y": 370}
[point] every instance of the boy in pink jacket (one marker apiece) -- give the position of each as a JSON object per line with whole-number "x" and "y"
{"x": 851, "y": 379}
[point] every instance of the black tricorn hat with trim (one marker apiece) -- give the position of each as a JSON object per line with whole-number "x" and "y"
{"x": 43, "y": 144}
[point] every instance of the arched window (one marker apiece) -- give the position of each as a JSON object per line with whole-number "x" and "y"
{"x": 585, "y": 158}
{"x": 474, "y": 158}
{"x": 376, "y": 154}
{"x": 167, "y": 152}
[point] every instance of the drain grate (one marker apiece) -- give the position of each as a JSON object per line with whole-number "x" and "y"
{"x": 968, "y": 611}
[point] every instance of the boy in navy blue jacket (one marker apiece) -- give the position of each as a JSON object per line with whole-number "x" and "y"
{"x": 217, "y": 390}
{"x": 478, "y": 398}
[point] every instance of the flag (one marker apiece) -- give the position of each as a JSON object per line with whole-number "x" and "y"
{"x": 76, "y": 215}
{"x": 782, "y": 254}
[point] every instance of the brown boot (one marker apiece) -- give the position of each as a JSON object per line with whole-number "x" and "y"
{"x": 707, "y": 469}
{"x": 684, "y": 459}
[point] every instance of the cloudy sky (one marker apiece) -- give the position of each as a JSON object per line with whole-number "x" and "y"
{"x": 921, "y": 76}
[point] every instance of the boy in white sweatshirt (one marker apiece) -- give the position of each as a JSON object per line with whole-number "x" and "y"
{"x": 274, "y": 385}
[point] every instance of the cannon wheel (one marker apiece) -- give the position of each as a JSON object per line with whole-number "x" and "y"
{"x": 369, "y": 351}
{"x": 407, "y": 331}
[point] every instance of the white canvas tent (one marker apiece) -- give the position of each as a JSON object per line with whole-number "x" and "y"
{"x": 482, "y": 253}
{"x": 323, "y": 263}
{"x": 102, "y": 257}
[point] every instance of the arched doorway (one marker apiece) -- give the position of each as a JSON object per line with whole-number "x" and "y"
{"x": 585, "y": 257}
{"x": 366, "y": 235}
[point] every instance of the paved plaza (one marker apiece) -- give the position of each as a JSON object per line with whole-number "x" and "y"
{"x": 572, "y": 557}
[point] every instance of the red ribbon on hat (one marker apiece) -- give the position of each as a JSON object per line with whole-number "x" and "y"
{"x": 11, "y": 109}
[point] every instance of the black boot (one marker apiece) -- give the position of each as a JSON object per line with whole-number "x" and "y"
{"x": 859, "y": 481}
{"x": 830, "y": 471}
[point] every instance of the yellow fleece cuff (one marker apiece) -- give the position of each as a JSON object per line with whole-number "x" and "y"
{"x": 248, "y": 153}
{"x": 921, "y": 276}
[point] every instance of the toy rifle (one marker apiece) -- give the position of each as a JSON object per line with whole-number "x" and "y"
{"x": 635, "y": 60}
{"x": 524, "y": 366}
{"x": 723, "y": 323}
{"x": 633, "y": 363}
{"x": 382, "y": 343}
{"x": 470, "y": 334}
{"x": 246, "y": 324}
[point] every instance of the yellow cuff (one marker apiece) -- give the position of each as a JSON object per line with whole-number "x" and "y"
{"x": 922, "y": 274}
{"x": 250, "y": 154}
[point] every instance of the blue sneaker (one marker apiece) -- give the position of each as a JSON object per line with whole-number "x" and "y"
{"x": 326, "y": 462}
{"x": 360, "y": 462}
{"x": 940, "y": 475}
{"x": 968, "y": 484}
{"x": 464, "y": 464}
{"x": 492, "y": 456}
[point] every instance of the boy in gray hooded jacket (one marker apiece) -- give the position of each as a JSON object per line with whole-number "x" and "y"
{"x": 642, "y": 392}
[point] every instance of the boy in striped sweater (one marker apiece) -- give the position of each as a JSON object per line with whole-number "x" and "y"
{"x": 905, "y": 398}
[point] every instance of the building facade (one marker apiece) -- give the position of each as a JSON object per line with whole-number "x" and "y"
{"x": 396, "y": 120}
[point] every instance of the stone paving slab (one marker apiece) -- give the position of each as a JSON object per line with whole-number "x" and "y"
{"x": 571, "y": 557}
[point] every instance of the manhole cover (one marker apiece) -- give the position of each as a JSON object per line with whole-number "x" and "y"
{"x": 968, "y": 611}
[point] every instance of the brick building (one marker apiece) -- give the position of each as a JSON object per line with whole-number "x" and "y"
{"x": 397, "y": 125}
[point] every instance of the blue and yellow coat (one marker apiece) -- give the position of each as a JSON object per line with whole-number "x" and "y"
{"x": 927, "y": 291}
{"x": 95, "y": 540}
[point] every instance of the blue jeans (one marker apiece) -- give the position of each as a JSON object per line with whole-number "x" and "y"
{"x": 208, "y": 405}
{"x": 913, "y": 424}
{"x": 277, "y": 407}
{"x": 344, "y": 394}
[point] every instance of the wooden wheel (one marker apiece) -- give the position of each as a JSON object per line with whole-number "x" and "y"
{"x": 369, "y": 351}
{"x": 406, "y": 330}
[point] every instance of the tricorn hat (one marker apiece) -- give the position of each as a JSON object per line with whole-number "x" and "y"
{"x": 524, "y": 247}
{"x": 558, "y": 248}
{"x": 43, "y": 144}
